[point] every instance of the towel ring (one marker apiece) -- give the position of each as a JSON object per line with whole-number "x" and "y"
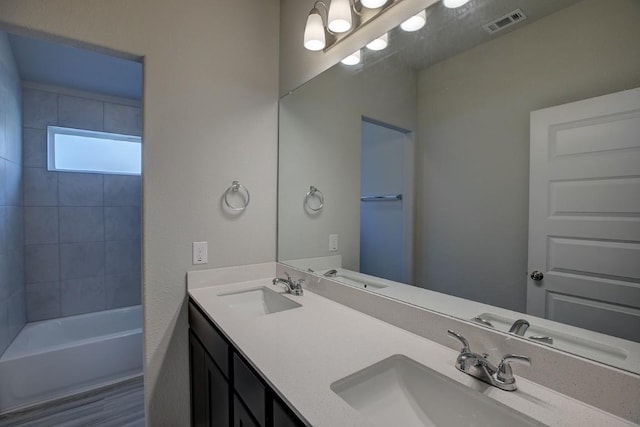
{"x": 235, "y": 188}
{"x": 314, "y": 192}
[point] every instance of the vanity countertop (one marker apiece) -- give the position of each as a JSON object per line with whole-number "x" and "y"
{"x": 302, "y": 351}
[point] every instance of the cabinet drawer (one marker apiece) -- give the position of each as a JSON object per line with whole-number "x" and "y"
{"x": 213, "y": 342}
{"x": 249, "y": 388}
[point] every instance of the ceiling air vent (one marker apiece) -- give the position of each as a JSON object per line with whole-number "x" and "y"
{"x": 505, "y": 21}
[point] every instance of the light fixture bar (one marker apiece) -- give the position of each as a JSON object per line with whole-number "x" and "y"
{"x": 341, "y": 20}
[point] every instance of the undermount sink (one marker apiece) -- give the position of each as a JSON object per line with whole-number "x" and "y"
{"x": 400, "y": 391}
{"x": 257, "y": 302}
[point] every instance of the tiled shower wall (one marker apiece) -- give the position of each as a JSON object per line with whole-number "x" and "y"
{"x": 12, "y": 303}
{"x": 82, "y": 231}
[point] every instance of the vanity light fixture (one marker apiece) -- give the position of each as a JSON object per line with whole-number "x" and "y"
{"x": 379, "y": 43}
{"x": 373, "y": 4}
{"x": 415, "y": 22}
{"x": 352, "y": 59}
{"x": 452, "y": 4}
{"x": 314, "y": 35}
{"x": 340, "y": 19}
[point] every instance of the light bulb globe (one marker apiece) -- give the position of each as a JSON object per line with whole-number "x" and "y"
{"x": 339, "y": 16}
{"x": 415, "y": 23}
{"x": 373, "y": 4}
{"x": 379, "y": 43}
{"x": 314, "y": 37}
{"x": 352, "y": 59}
{"x": 452, "y": 4}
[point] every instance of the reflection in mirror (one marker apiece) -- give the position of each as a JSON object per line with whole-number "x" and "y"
{"x": 484, "y": 170}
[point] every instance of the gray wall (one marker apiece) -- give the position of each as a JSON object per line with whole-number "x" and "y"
{"x": 82, "y": 231}
{"x": 474, "y": 140}
{"x": 12, "y": 305}
{"x": 210, "y": 116}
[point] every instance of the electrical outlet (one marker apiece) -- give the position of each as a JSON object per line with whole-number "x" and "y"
{"x": 200, "y": 252}
{"x": 333, "y": 243}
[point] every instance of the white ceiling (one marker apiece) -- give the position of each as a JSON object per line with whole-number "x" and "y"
{"x": 61, "y": 65}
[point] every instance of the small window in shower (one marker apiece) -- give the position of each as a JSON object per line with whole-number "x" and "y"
{"x": 79, "y": 150}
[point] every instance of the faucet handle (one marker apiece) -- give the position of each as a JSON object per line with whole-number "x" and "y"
{"x": 463, "y": 341}
{"x": 504, "y": 372}
{"x": 288, "y": 276}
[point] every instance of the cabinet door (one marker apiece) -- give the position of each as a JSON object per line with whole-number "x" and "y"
{"x": 211, "y": 339}
{"x": 198, "y": 385}
{"x": 250, "y": 389}
{"x": 282, "y": 417}
{"x": 217, "y": 395}
{"x": 241, "y": 417}
{"x": 209, "y": 389}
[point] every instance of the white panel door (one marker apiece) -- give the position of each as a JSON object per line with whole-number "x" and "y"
{"x": 584, "y": 214}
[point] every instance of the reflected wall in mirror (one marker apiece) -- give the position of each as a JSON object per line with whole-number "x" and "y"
{"x": 461, "y": 161}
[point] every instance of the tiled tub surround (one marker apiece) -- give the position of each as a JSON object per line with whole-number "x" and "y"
{"x": 82, "y": 231}
{"x": 12, "y": 295}
{"x": 301, "y": 352}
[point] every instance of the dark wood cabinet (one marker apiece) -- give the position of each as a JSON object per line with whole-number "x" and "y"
{"x": 283, "y": 416}
{"x": 241, "y": 417}
{"x": 209, "y": 388}
{"x": 225, "y": 390}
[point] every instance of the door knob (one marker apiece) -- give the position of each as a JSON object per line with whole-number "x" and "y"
{"x": 537, "y": 275}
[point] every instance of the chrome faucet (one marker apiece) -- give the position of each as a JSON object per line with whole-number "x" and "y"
{"x": 331, "y": 273}
{"x": 293, "y": 287}
{"x": 478, "y": 366}
{"x": 519, "y": 327}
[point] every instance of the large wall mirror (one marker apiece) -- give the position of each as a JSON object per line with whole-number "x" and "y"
{"x": 486, "y": 166}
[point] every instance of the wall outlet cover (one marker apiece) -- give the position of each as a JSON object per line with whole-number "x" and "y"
{"x": 200, "y": 253}
{"x": 333, "y": 242}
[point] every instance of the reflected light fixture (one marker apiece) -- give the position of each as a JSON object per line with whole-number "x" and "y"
{"x": 415, "y": 22}
{"x": 373, "y": 4}
{"x": 452, "y": 4}
{"x": 352, "y": 59}
{"x": 339, "y": 19}
{"x": 314, "y": 36}
{"x": 379, "y": 43}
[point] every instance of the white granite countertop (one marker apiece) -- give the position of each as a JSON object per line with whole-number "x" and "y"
{"x": 302, "y": 351}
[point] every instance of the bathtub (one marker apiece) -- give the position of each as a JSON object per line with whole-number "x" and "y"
{"x": 59, "y": 357}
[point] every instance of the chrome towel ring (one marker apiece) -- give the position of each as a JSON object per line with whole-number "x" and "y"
{"x": 314, "y": 193}
{"x": 236, "y": 188}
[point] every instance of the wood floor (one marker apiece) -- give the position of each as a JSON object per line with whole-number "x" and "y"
{"x": 118, "y": 405}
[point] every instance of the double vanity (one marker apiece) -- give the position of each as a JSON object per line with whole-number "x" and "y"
{"x": 263, "y": 356}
